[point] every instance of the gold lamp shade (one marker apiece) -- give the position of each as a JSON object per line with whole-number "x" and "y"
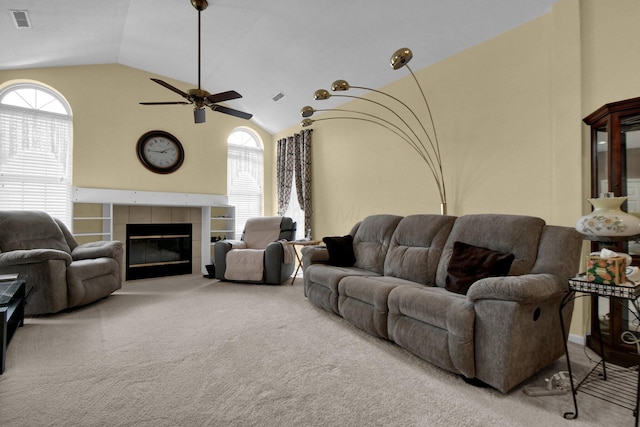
{"x": 199, "y": 4}
{"x": 340, "y": 86}
{"x": 401, "y": 57}
{"x": 307, "y": 111}
{"x": 321, "y": 94}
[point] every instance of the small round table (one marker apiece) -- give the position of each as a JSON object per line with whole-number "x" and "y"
{"x": 300, "y": 243}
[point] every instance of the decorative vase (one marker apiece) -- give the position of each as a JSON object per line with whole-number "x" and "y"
{"x": 608, "y": 220}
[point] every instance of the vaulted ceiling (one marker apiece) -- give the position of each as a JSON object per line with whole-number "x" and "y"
{"x": 259, "y": 48}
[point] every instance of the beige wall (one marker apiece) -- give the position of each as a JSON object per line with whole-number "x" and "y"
{"x": 108, "y": 121}
{"x": 508, "y": 118}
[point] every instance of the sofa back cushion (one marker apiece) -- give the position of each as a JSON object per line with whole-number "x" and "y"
{"x": 260, "y": 231}
{"x": 509, "y": 234}
{"x": 371, "y": 241}
{"x": 416, "y": 247}
{"x": 30, "y": 230}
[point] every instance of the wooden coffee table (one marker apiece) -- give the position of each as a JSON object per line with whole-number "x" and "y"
{"x": 12, "y": 298}
{"x": 300, "y": 243}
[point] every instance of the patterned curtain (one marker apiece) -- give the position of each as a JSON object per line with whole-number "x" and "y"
{"x": 303, "y": 174}
{"x": 284, "y": 173}
{"x": 294, "y": 156}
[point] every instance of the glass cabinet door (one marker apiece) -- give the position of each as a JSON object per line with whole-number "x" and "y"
{"x": 601, "y": 138}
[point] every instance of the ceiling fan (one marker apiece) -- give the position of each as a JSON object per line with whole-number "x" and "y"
{"x": 200, "y": 98}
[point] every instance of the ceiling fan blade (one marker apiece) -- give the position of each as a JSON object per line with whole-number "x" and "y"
{"x": 165, "y": 103}
{"x": 168, "y": 86}
{"x": 231, "y": 112}
{"x": 223, "y": 96}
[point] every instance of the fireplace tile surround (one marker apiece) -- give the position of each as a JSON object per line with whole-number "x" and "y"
{"x": 126, "y": 214}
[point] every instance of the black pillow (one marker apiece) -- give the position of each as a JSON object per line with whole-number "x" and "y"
{"x": 340, "y": 250}
{"x": 471, "y": 263}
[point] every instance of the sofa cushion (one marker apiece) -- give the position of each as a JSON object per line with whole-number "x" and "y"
{"x": 371, "y": 241}
{"x": 516, "y": 234}
{"x": 435, "y": 325}
{"x": 471, "y": 263}
{"x": 416, "y": 246}
{"x": 340, "y": 250}
{"x": 321, "y": 284}
{"x": 30, "y": 230}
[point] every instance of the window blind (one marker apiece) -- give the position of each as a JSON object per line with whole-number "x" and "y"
{"x": 35, "y": 161}
{"x": 244, "y": 183}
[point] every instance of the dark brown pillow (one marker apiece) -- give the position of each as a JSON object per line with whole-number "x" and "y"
{"x": 340, "y": 250}
{"x": 469, "y": 264}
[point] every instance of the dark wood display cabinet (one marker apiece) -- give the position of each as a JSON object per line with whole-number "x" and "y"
{"x": 615, "y": 168}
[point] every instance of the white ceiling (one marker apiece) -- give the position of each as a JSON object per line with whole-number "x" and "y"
{"x": 256, "y": 47}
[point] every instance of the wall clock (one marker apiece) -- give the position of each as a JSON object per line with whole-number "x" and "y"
{"x": 160, "y": 152}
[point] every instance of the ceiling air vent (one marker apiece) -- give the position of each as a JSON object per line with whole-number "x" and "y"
{"x": 21, "y": 18}
{"x": 277, "y": 97}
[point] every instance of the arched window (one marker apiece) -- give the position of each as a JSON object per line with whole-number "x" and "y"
{"x": 36, "y": 137}
{"x": 244, "y": 175}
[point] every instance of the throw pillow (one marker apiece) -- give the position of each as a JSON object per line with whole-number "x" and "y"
{"x": 340, "y": 250}
{"x": 470, "y": 263}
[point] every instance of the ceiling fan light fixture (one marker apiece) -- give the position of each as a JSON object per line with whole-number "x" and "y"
{"x": 199, "y": 115}
{"x": 199, "y": 97}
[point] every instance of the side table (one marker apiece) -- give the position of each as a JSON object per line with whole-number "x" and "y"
{"x": 628, "y": 292}
{"x": 12, "y": 299}
{"x": 300, "y": 243}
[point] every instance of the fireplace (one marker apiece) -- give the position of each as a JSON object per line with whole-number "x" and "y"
{"x": 155, "y": 250}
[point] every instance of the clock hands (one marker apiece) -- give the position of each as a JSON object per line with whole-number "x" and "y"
{"x": 163, "y": 151}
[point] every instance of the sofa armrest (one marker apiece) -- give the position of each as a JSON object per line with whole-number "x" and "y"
{"x": 220, "y": 254}
{"x": 236, "y": 244}
{"x": 314, "y": 255}
{"x": 32, "y": 256}
{"x": 528, "y": 288}
{"x": 92, "y": 250}
{"x": 278, "y": 264}
{"x": 517, "y": 326}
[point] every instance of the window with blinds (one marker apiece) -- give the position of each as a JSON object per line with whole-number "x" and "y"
{"x": 244, "y": 175}
{"x": 35, "y": 151}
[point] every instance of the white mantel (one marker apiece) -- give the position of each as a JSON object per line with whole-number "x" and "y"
{"x": 157, "y": 198}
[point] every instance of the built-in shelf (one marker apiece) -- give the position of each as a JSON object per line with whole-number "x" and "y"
{"x": 222, "y": 222}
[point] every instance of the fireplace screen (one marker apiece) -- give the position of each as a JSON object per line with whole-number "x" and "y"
{"x": 155, "y": 250}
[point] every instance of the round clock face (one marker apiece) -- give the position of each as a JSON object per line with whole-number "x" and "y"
{"x": 160, "y": 151}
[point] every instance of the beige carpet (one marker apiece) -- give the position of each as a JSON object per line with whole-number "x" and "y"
{"x": 189, "y": 351}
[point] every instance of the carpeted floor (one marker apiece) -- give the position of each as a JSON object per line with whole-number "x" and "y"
{"x": 189, "y": 351}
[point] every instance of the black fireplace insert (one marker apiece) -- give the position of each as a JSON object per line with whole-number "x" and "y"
{"x": 156, "y": 250}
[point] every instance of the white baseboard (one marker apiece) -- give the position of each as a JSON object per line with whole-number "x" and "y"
{"x": 578, "y": 339}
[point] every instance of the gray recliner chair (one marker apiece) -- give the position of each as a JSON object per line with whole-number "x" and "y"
{"x": 60, "y": 273}
{"x": 261, "y": 256}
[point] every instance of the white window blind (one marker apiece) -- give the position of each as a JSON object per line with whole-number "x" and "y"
{"x": 244, "y": 176}
{"x": 35, "y": 151}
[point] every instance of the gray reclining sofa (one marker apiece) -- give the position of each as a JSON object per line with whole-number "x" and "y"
{"x": 424, "y": 282}
{"x": 59, "y": 272}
